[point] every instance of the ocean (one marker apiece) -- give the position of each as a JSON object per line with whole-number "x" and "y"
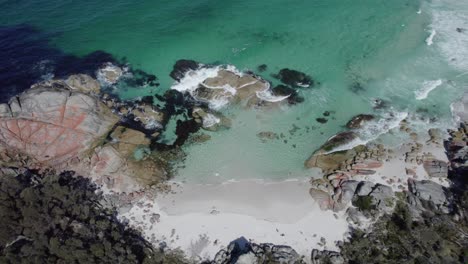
{"x": 410, "y": 54}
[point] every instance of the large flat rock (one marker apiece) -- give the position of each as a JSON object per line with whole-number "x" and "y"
{"x": 51, "y": 125}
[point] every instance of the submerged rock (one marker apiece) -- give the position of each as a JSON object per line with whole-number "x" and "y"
{"x": 267, "y": 135}
{"x": 127, "y": 140}
{"x": 294, "y": 78}
{"x": 210, "y": 121}
{"x": 262, "y": 67}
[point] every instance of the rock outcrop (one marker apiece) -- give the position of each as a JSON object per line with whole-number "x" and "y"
{"x": 83, "y": 83}
{"x": 434, "y": 195}
{"x": 329, "y": 161}
{"x": 109, "y": 74}
{"x": 358, "y": 121}
{"x": 63, "y": 125}
{"x": 294, "y": 78}
{"x": 181, "y": 67}
{"x": 209, "y": 120}
{"x": 241, "y": 251}
{"x": 241, "y": 87}
{"x": 49, "y": 126}
{"x": 326, "y": 256}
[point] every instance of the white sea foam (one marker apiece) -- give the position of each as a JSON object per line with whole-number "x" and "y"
{"x": 426, "y": 88}
{"x": 153, "y": 124}
{"x": 210, "y": 120}
{"x": 115, "y": 71}
{"x": 459, "y": 109}
{"x": 373, "y": 129}
{"x": 46, "y": 68}
{"x": 429, "y": 40}
{"x": 266, "y": 95}
{"x": 303, "y": 85}
{"x": 447, "y": 17}
{"x": 194, "y": 78}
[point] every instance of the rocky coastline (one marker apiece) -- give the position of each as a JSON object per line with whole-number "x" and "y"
{"x": 61, "y": 130}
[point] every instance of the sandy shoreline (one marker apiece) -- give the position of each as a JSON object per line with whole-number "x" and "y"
{"x": 202, "y": 219}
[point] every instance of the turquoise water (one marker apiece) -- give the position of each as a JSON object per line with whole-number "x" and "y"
{"x": 380, "y": 44}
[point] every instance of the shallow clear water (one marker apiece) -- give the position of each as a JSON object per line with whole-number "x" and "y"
{"x": 381, "y": 44}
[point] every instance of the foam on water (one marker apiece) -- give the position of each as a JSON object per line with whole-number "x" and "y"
{"x": 426, "y": 88}
{"x": 109, "y": 67}
{"x": 266, "y": 95}
{"x": 429, "y": 40}
{"x": 153, "y": 124}
{"x": 210, "y": 120}
{"x": 450, "y": 21}
{"x": 194, "y": 78}
{"x": 374, "y": 129}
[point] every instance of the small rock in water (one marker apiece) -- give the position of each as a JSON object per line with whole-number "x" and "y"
{"x": 267, "y": 135}
{"x": 262, "y": 67}
{"x": 379, "y": 104}
{"x": 321, "y": 120}
{"x": 294, "y": 78}
{"x": 357, "y": 87}
{"x": 181, "y": 67}
{"x": 326, "y": 113}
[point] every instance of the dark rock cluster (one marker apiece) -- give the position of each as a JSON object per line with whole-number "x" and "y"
{"x": 429, "y": 223}
{"x": 256, "y": 253}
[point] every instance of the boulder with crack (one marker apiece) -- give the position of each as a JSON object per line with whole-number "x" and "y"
{"x": 53, "y": 125}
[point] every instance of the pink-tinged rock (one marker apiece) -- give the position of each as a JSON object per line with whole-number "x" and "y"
{"x": 368, "y": 164}
{"x": 51, "y": 125}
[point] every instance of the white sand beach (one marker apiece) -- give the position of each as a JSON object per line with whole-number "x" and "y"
{"x": 202, "y": 219}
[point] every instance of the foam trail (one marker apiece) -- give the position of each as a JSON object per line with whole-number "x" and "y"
{"x": 269, "y": 97}
{"x": 373, "y": 129}
{"x": 429, "y": 40}
{"x": 426, "y": 88}
{"x": 194, "y": 78}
